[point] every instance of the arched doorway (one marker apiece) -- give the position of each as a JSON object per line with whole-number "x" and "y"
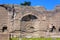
{"x": 4, "y": 28}
{"x": 27, "y": 23}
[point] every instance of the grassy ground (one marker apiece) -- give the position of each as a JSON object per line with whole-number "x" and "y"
{"x": 14, "y": 38}
{"x": 36, "y": 38}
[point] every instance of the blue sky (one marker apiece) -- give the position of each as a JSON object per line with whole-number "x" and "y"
{"x": 48, "y": 4}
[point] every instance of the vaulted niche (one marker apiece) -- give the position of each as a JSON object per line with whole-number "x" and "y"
{"x": 28, "y": 18}
{"x": 27, "y": 23}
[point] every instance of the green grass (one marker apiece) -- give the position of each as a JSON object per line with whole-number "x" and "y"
{"x": 35, "y": 38}
{"x": 14, "y": 38}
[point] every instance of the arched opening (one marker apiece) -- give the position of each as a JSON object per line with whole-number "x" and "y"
{"x": 27, "y": 23}
{"x": 4, "y": 28}
{"x": 28, "y": 18}
{"x": 52, "y": 29}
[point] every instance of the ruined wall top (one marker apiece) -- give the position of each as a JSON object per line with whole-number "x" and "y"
{"x": 37, "y": 8}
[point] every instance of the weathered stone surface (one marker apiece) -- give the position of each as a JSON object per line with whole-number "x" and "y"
{"x": 27, "y": 20}
{"x": 4, "y": 36}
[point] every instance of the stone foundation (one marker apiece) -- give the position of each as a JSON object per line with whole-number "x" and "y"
{"x": 4, "y": 36}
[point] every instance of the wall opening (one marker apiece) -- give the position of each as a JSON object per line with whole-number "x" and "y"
{"x": 32, "y": 27}
{"x": 59, "y": 29}
{"x": 27, "y": 23}
{"x": 52, "y": 29}
{"x": 4, "y": 29}
{"x": 28, "y": 18}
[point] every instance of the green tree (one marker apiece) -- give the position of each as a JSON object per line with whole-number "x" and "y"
{"x": 26, "y": 3}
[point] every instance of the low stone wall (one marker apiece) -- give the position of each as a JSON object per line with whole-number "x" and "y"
{"x": 4, "y": 36}
{"x": 14, "y": 35}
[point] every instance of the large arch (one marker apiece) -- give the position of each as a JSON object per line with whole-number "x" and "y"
{"x": 28, "y": 17}
{"x": 27, "y": 23}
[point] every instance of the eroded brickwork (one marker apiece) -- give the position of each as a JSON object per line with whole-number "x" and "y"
{"x": 29, "y": 21}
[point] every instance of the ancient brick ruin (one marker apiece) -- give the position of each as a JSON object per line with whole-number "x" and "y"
{"x": 29, "y": 21}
